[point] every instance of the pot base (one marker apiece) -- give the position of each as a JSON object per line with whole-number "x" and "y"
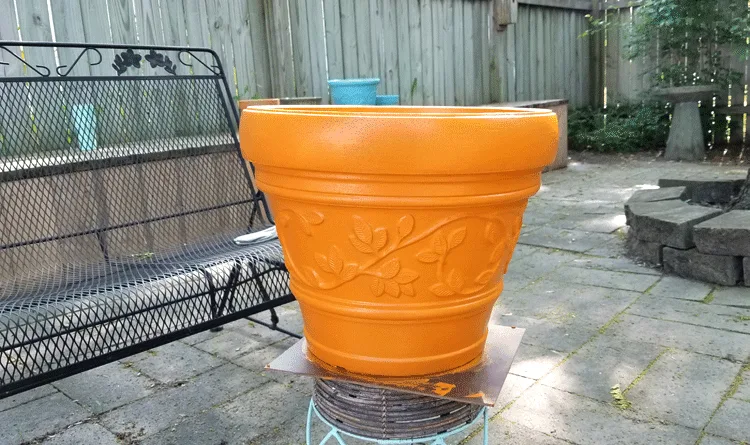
{"x": 397, "y": 367}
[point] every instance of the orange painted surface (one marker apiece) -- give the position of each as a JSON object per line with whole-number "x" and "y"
{"x": 397, "y": 223}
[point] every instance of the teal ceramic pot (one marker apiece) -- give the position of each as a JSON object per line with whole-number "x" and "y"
{"x": 353, "y": 91}
{"x": 389, "y": 99}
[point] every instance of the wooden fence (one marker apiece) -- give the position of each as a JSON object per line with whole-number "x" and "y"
{"x": 441, "y": 52}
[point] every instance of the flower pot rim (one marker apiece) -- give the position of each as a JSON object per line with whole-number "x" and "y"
{"x": 348, "y": 82}
{"x": 398, "y": 140}
{"x": 401, "y": 111}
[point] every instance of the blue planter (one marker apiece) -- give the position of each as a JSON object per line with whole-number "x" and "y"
{"x": 84, "y": 122}
{"x": 353, "y": 91}
{"x": 388, "y": 99}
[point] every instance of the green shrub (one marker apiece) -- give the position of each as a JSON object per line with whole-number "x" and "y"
{"x": 623, "y": 129}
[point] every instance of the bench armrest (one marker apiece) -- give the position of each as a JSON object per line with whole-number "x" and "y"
{"x": 259, "y": 237}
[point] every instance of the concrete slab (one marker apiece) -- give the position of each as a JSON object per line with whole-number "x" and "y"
{"x": 572, "y": 240}
{"x": 733, "y": 319}
{"x": 607, "y": 361}
{"x": 713, "y": 342}
{"x": 106, "y": 387}
{"x": 26, "y": 396}
{"x": 583, "y": 421}
{"x": 148, "y": 416}
{"x": 731, "y": 420}
{"x": 676, "y": 287}
{"x": 84, "y": 434}
{"x": 604, "y": 278}
{"x": 39, "y": 418}
{"x": 175, "y": 362}
{"x": 683, "y": 388}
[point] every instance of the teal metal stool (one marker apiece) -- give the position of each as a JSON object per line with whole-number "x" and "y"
{"x": 388, "y": 417}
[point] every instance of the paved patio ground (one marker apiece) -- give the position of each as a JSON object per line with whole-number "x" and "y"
{"x": 679, "y": 350}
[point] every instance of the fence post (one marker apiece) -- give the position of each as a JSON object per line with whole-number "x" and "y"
{"x": 597, "y": 59}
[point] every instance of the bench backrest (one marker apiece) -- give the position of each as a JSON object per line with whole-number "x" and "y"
{"x": 116, "y": 155}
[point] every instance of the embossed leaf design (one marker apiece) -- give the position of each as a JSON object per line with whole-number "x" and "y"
{"x": 322, "y": 261}
{"x": 379, "y": 238}
{"x": 313, "y": 217}
{"x": 349, "y": 271}
{"x": 283, "y": 219}
{"x": 406, "y": 276}
{"x": 359, "y": 245}
{"x": 497, "y": 253}
{"x": 362, "y": 230}
{"x": 428, "y": 256}
{"x": 390, "y": 269}
{"x": 455, "y": 280}
{"x": 439, "y": 244}
{"x": 456, "y": 237}
{"x": 491, "y": 232}
{"x": 407, "y": 289}
{"x": 377, "y": 286}
{"x": 392, "y": 289}
{"x": 334, "y": 259}
{"x": 484, "y": 277}
{"x": 405, "y": 226}
{"x": 441, "y": 290}
{"x": 314, "y": 275}
{"x": 305, "y": 226}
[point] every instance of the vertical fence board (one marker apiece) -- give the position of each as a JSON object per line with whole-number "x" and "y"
{"x": 256, "y": 19}
{"x": 438, "y": 54}
{"x": 415, "y": 51}
{"x": 280, "y": 47}
{"x": 301, "y": 48}
{"x": 449, "y": 56}
{"x": 243, "y": 49}
{"x": 498, "y": 82}
{"x": 548, "y": 50}
{"x": 34, "y": 25}
{"x": 426, "y": 82}
{"x": 220, "y": 34}
{"x": 334, "y": 49}
{"x": 390, "y": 45}
{"x": 404, "y": 55}
{"x": 538, "y": 49}
{"x": 469, "y": 63}
{"x": 363, "y": 38}
{"x": 511, "y": 81}
{"x": 317, "y": 43}
{"x": 377, "y": 40}
{"x": 196, "y": 24}
{"x": 459, "y": 51}
{"x": 349, "y": 38}
{"x": 13, "y": 115}
{"x": 482, "y": 12}
{"x": 523, "y": 31}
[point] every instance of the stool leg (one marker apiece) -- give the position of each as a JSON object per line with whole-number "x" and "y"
{"x": 308, "y": 428}
{"x": 486, "y": 428}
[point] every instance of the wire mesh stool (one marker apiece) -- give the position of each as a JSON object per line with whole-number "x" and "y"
{"x": 387, "y": 417}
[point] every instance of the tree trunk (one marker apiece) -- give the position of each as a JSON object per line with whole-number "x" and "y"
{"x": 742, "y": 200}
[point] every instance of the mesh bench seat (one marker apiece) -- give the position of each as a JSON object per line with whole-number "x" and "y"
{"x": 122, "y": 189}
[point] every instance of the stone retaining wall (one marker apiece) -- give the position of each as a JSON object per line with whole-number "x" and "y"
{"x": 669, "y": 228}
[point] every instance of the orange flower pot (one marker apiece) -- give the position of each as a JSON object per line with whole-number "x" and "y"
{"x": 397, "y": 223}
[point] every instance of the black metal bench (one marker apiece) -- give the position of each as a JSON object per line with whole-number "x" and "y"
{"x": 122, "y": 189}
